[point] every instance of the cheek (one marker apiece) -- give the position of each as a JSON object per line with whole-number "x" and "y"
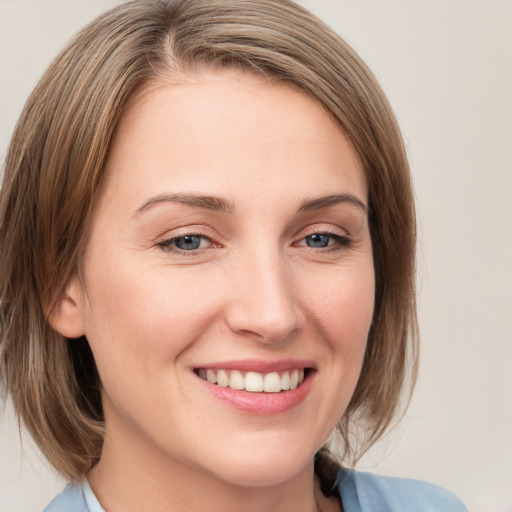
{"x": 342, "y": 314}
{"x": 146, "y": 316}
{"x": 343, "y": 309}
{"x": 138, "y": 329}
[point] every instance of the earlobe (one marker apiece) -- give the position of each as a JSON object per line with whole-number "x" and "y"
{"x": 67, "y": 318}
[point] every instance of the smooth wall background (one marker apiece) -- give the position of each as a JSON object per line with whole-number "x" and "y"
{"x": 446, "y": 66}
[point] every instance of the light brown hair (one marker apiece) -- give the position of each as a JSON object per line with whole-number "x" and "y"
{"x": 54, "y": 171}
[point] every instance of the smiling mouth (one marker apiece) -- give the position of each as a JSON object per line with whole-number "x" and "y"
{"x": 254, "y": 382}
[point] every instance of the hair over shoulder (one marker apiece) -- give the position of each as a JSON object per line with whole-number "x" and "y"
{"x": 55, "y": 167}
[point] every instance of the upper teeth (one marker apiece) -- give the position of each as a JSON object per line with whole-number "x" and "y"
{"x": 253, "y": 381}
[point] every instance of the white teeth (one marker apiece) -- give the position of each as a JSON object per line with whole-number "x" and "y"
{"x": 285, "y": 381}
{"x": 222, "y": 379}
{"x": 294, "y": 379}
{"x": 254, "y": 382}
{"x": 211, "y": 376}
{"x": 272, "y": 383}
{"x": 236, "y": 380}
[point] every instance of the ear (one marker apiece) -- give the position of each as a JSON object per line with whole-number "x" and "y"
{"x": 68, "y": 318}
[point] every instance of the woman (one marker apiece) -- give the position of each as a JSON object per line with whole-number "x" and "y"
{"x": 217, "y": 269}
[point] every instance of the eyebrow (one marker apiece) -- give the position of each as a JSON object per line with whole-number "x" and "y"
{"x": 220, "y": 204}
{"x": 326, "y": 201}
{"x": 213, "y": 203}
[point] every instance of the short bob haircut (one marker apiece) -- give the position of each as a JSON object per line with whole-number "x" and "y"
{"x": 54, "y": 171}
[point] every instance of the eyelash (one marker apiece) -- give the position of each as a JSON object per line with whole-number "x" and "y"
{"x": 340, "y": 242}
{"x": 167, "y": 244}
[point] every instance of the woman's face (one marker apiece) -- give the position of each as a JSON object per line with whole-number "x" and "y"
{"x": 230, "y": 244}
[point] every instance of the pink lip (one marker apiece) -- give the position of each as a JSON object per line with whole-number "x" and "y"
{"x": 261, "y": 403}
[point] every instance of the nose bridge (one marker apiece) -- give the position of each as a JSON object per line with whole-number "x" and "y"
{"x": 265, "y": 305}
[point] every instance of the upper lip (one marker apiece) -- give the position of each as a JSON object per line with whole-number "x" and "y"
{"x": 259, "y": 366}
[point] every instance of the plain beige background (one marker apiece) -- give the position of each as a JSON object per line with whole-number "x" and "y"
{"x": 447, "y": 68}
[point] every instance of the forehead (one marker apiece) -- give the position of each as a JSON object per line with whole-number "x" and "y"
{"x": 220, "y": 130}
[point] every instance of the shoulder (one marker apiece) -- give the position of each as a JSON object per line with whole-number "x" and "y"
{"x": 75, "y": 498}
{"x": 70, "y": 499}
{"x": 366, "y": 492}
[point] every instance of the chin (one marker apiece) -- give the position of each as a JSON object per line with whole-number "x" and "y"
{"x": 254, "y": 470}
{"x": 264, "y": 476}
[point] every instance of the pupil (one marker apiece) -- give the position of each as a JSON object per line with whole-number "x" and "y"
{"x": 188, "y": 242}
{"x": 317, "y": 240}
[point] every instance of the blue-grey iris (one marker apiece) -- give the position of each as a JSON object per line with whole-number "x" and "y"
{"x": 318, "y": 240}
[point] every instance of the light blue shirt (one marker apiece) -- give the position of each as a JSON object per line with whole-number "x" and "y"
{"x": 360, "y": 492}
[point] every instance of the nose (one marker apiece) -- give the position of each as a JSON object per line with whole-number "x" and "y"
{"x": 264, "y": 305}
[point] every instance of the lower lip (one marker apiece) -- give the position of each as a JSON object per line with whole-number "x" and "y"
{"x": 261, "y": 403}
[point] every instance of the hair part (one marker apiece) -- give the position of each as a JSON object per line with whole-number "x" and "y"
{"x": 55, "y": 168}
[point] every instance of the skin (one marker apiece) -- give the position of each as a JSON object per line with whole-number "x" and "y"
{"x": 254, "y": 289}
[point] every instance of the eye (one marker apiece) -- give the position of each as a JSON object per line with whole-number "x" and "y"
{"x": 325, "y": 241}
{"x": 185, "y": 243}
{"x": 318, "y": 240}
